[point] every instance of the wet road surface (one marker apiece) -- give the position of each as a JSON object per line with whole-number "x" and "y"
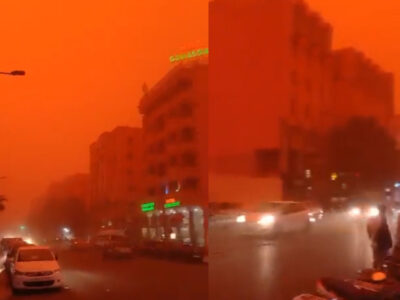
{"x": 246, "y": 267}
{"x": 89, "y": 276}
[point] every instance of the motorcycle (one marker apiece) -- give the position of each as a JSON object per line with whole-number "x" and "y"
{"x": 369, "y": 285}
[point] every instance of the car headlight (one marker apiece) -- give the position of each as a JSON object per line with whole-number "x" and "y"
{"x": 355, "y": 211}
{"x": 241, "y": 219}
{"x": 266, "y": 220}
{"x": 373, "y": 212}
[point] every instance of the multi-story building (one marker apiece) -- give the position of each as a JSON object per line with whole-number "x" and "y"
{"x": 116, "y": 171}
{"x": 267, "y": 87}
{"x": 175, "y": 135}
{"x": 358, "y": 87}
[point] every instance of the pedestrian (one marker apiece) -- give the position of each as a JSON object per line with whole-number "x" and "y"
{"x": 379, "y": 233}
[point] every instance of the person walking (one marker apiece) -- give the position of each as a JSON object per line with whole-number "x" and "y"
{"x": 379, "y": 233}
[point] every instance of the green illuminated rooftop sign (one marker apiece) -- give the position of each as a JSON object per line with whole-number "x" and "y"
{"x": 148, "y": 206}
{"x": 189, "y": 55}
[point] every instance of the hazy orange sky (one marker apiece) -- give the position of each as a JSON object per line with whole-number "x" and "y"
{"x": 87, "y": 60}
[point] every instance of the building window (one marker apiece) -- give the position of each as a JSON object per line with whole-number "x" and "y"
{"x": 190, "y": 183}
{"x": 189, "y": 159}
{"x": 267, "y": 161}
{"x": 151, "y": 170}
{"x": 173, "y": 161}
{"x": 151, "y": 191}
{"x": 185, "y": 109}
{"x": 161, "y": 170}
{"x": 159, "y": 123}
{"x": 161, "y": 147}
{"x": 188, "y": 134}
{"x": 172, "y": 137}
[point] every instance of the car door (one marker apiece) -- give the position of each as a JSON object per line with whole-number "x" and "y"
{"x": 300, "y": 216}
{"x": 293, "y": 217}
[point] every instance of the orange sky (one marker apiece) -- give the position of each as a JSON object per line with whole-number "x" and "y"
{"x": 86, "y": 63}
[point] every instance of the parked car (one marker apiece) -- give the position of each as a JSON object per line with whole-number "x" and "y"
{"x": 119, "y": 247}
{"x": 7, "y": 243}
{"x": 35, "y": 267}
{"x": 79, "y": 244}
{"x": 11, "y": 254}
{"x": 105, "y": 238}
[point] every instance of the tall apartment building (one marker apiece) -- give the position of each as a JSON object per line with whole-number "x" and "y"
{"x": 116, "y": 171}
{"x": 175, "y": 135}
{"x": 358, "y": 87}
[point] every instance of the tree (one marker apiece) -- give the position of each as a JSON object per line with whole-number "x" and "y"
{"x": 364, "y": 147}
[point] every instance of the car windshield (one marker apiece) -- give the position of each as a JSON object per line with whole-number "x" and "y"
{"x": 35, "y": 255}
{"x": 273, "y": 207}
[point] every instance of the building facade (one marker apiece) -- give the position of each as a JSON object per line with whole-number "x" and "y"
{"x": 116, "y": 171}
{"x": 275, "y": 87}
{"x": 358, "y": 87}
{"x": 175, "y": 135}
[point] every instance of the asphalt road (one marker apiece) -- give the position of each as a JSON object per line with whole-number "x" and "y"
{"x": 89, "y": 276}
{"x": 246, "y": 267}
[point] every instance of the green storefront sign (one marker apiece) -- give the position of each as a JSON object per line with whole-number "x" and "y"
{"x": 148, "y": 206}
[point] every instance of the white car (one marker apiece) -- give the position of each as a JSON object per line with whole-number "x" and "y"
{"x": 275, "y": 217}
{"x": 35, "y": 267}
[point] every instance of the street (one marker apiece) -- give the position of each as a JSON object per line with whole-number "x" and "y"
{"x": 245, "y": 267}
{"x": 88, "y": 276}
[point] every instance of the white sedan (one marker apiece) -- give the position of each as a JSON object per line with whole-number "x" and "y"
{"x": 275, "y": 217}
{"x": 35, "y": 267}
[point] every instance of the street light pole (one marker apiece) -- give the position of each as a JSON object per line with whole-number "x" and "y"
{"x": 14, "y": 73}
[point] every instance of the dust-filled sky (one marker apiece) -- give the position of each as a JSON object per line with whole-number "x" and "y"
{"x": 87, "y": 60}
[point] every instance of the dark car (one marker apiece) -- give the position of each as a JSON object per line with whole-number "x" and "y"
{"x": 7, "y": 243}
{"x": 11, "y": 254}
{"x": 79, "y": 244}
{"x": 119, "y": 247}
